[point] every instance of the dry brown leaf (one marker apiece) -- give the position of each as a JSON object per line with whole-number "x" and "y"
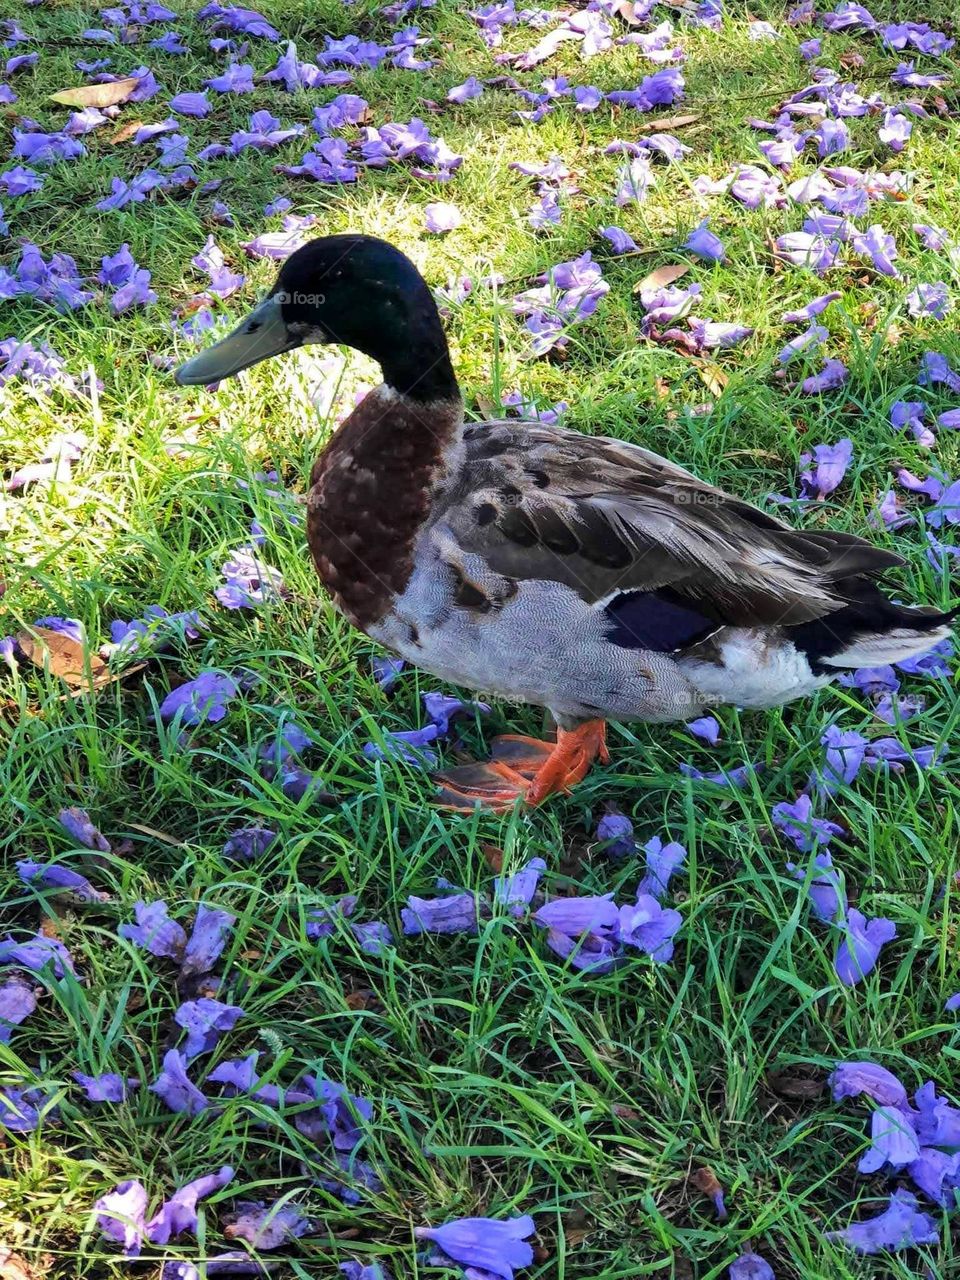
{"x": 485, "y": 405}
{"x": 666, "y": 123}
{"x": 493, "y": 856}
{"x": 96, "y": 95}
{"x": 62, "y": 656}
{"x": 660, "y": 277}
{"x": 712, "y": 376}
{"x": 14, "y": 1267}
{"x": 127, "y": 132}
{"x": 792, "y": 1087}
{"x": 706, "y": 1180}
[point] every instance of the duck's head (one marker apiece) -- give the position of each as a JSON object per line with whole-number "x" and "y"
{"x": 352, "y": 290}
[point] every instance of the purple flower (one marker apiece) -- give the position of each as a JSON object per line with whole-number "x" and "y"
{"x": 546, "y": 212}
{"x": 935, "y": 367}
{"x": 844, "y": 756}
{"x": 179, "y": 1213}
{"x": 236, "y": 79}
{"x": 264, "y": 133}
{"x": 250, "y": 581}
{"x": 386, "y": 671}
{"x": 807, "y": 249}
{"x": 155, "y": 931}
{"x": 938, "y": 1123}
{"x": 246, "y": 22}
{"x": 804, "y": 342}
{"x": 750, "y": 1266}
{"x": 893, "y": 1141}
{"x": 108, "y": 1087}
{"x": 577, "y": 915}
{"x": 117, "y": 269}
{"x": 615, "y": 830}
{"x": 909, "y": 413}
{"x": 797, "y": 824}
{"x": 515, "y": 892}
{"x": 633, "y": 180}
{"x": 267, "y": 1227}
{"x": 340, "y": 1115}
{"x": 471, "y": 88}
{"x": 17, "y": 1002}
{"x": 853, "y": 1079}
{"x": 711, "y": 335}
{"x": 373, "y": 937}
{"x": 85, "y": 121}
{"x": 860, "y": 949}
{"x": 825, "y": 467}
{"x": 704, "y": 243}
{"x": 36, "y": 953}
{"x": 649, "y": 927}
{"x": 20, "y": 181}
{"x": 20, "y": 1109}
{"x": 880, "y": 247}
{"x": 739, "y": 776}
{"x": 827, "y": 898}
{"x": 409, "y": 745}
{"x": 173, "y": 1087}
{"x": 440, "y": 217}
{"x": 931, "y": 1170}
{"x": 120, "y": 1216}
{"x": 190, "y": 104}
{"x": 442, "y": 708}
{"x": 248, "y": 843}
{"x": 221, "y": 1264}
{"x": 50, "y": 876}
{"x": 587, "y": 97}
{"x": 490, "y": 1246}
{"x": 371, "y": 1271}
{"x": 45, "y": 148}
{"x": 663, "y": 861}
{"x": 932, "y": 663}
{"x": 896, "y": 128}
{"x": 223, "y": 282}
{"x": 833, "y": 375}
{"x": 669, "y": 303}
{"x": 754, "y": 187}
{"x": 322, "y": 921}
{"x": 810, "y": 49}
{"x": 155, "y": 631}
{"x": 204, "y": 1020}
{"x": 952, "y": 1004}
{"x": 706, "y": 728}
{"x": 454, "y": 914}
{"x": 619, "y": 239}
{"x": 930, "y": 300}
{"x": 136, "y": 292}
{"x": 901, "y": 1226}
{"x": 211, "y": 929}
{"x": 201, "y": 700}
{"x": 77, "y": 823}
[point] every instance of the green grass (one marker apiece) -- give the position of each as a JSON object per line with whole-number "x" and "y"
{"x": 503, "y": 1081}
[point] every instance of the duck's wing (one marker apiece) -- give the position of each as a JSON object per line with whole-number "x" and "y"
{"x": 606, "y": 518}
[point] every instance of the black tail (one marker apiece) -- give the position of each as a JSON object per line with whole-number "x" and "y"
{"x": 869, "y": 631}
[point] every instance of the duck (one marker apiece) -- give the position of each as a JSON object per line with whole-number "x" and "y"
{"x": 582, "y": 574}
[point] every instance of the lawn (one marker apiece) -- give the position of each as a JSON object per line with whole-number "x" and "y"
{"x": 496, "y": 1079}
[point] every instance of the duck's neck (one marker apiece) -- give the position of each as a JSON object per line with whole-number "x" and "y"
{"x": 372, "y": 491}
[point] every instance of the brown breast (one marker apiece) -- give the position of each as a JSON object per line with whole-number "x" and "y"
{"x": 370, "y": 496}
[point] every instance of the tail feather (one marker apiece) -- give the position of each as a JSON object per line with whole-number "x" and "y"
{"x": 870, "y": 630}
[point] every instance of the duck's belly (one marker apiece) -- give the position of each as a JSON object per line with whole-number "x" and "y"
{"x": 545, "y": 646}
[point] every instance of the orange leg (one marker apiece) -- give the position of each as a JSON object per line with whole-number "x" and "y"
{"x": 525, "y": 768}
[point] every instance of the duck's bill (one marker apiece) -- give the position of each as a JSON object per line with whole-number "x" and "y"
{"x": 263, "y": 334}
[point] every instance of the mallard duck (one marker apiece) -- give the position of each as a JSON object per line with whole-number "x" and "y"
{"x": 578, "y": 573}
